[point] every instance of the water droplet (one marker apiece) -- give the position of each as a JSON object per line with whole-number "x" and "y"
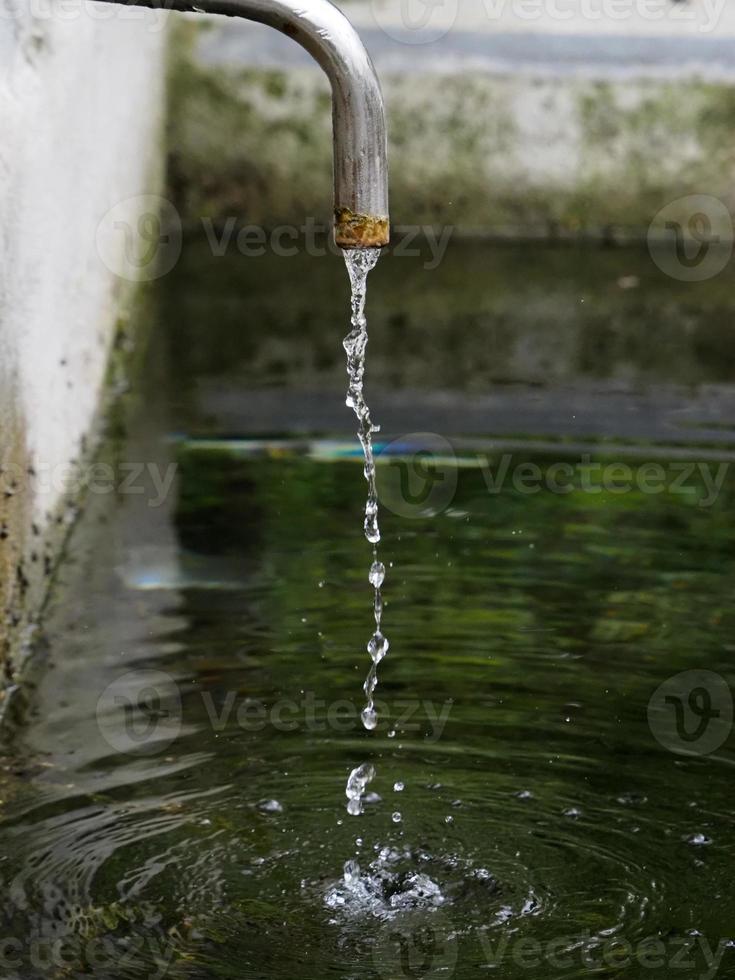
{"x": 270, "y": 806}
{"x": 698, "y": 840}
{"x": 369, "y": 718}
{"x": 378, "y": 646}
{"x": 355, "y": 789}
{"x": 372, "y": 531}
{"x": 377, "y": 574}
{"x": 352, "y": 873}
{"x": 378, "y": 607}
{"x": 396, "y": 817}
{"x": 632, "y": 799}
{"x": 398, "y": 787}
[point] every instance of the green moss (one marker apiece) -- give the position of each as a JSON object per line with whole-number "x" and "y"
{"x": 464, "y": 150}
{"x": 275, "y": 84}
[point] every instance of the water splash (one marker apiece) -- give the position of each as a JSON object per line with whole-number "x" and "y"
{"x": 359, "y": 263}
{"x": 389, "y": 885}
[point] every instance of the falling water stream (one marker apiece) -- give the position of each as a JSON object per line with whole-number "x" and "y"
{"x": 359, "y": 263}
{"x": 379, "y": 884}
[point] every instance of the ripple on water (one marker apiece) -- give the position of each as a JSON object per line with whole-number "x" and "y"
{"x": 522, "y": 817}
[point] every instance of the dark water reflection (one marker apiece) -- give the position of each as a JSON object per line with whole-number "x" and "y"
{"x": 174, "y": 804}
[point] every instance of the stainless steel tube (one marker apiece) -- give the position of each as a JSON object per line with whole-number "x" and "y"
{"x": 358, "y": 111}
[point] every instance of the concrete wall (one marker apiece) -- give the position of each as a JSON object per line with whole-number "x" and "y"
{"x": 81, "y": 108}
{"x": 517, "y": 117}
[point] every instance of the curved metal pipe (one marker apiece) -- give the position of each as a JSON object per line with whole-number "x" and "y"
{"x": 358, "y": 110}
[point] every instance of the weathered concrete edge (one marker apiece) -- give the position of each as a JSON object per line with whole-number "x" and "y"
{"x": 499, "y": 154}
{"x": 34, "y": 523}
{"x": 36, "y": 552}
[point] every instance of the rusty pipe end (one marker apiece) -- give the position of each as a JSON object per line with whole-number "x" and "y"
{"x": 360, "y": 230}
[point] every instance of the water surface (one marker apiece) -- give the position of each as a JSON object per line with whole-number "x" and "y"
{"x": 173, "y": 804}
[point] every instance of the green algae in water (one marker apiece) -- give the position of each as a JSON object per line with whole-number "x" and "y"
{"x": 539, "y": 805}
{"x": 537, "y": 799}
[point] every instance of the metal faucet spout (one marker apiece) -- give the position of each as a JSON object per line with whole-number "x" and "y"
{"x": 358, "y": 110}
